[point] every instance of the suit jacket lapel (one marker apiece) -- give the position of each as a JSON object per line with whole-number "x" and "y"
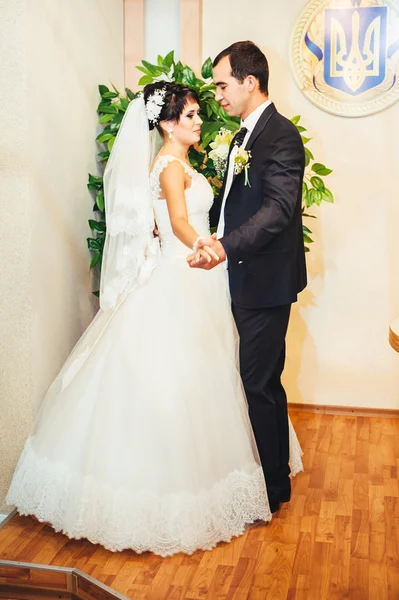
{"x": 261, "y": 124}
{"x": 259, "y": 127}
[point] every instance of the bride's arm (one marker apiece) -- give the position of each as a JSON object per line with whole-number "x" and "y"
{"x": 172, "y": 186}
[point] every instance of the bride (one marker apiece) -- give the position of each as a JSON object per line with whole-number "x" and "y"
{"x": 143, "y": 440}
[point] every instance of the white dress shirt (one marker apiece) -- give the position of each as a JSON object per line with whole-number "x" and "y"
{"x": 250, "y": 123}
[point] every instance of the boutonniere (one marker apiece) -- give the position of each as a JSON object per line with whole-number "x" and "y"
{"x": 242, "y": 163}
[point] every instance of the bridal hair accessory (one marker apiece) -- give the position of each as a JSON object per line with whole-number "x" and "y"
{"x": 154, "y": 105}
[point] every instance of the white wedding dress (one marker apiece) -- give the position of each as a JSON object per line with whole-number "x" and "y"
{"x": 143, "y": 441}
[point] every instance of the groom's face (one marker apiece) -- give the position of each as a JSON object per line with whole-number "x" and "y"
{"x": 232, "y": 95}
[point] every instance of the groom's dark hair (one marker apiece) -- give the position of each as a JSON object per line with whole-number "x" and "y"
{"x": 246, "y": 59}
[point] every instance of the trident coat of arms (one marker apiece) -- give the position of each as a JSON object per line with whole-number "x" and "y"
{"x": 345, "y": 55}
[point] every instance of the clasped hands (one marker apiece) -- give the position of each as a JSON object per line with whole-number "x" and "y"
{"x": 208, "y": 253}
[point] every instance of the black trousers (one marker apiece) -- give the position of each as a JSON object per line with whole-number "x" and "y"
{"x": 262, "y": 357}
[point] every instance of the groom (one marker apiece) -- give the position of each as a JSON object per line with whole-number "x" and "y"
{"x": 259, "y": 231}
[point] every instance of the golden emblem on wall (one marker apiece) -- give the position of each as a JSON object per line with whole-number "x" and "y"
{"x": 345, "y": 55}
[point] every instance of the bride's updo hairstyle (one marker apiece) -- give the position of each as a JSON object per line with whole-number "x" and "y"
{"x": 170, "y": 98}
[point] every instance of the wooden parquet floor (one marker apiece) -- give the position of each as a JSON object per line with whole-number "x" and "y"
{"x": 337, "y": 538}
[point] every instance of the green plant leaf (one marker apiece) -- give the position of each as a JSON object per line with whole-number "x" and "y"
{"x": 95, "y": 183}
{"x": 103, "y": 156}
{"x": 304, "y": 187}
{"x": 317, "y": 195}
{"x": 208, "y": 132}
{"x": 309, "y": 153}
{"x": 151, "y": 68}
{"x": 317, "y": 183}
{"x": 296, "y": 119}
{"x": 111, "y": 143}
{"x": 107, "y": 108}
{"x": 110, "y": 95}
{"x": 305, "y": 140}
{"x": 196, "y": 158}
{"x": 178, "y": 72}
{"x": 307, "y": 239}
{"x": 209, "y": 87}
{"x": 308, "y": 156}
{"x": 307, "y": 215}
{"x": 309, "y": 198}
{"x": 144, "y": 70}
{"x": 306, "y": 229}
{"x": 307, "y": 249}
{"x": 320, "y": 169}
{"x": 100, "y": 200}
{"x": 97, "y": 225}
{"x": 327, "y": 195}
{"x": 232, "y": 125}
{"x": 169, "y": 58}
{"x": 105, "y": 118}
{"x": 94, "y": 244}
{"x": 188, "y": 76}
{"x": 116, "y": 121}
{"x": 199, "y": 83}
{"x": 103, "y": 137}
{"x": 95, "y": 260}
{"x": 206, "y": 70}
{"x": 146, "y": 80}
{"x": 301, "y": 129}
{"x": 97, "y": 294}
{"x": 131, "y": 95}
{"x": 103, "y": 89}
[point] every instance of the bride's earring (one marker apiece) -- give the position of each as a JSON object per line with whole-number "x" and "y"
{"x": 171, "y": 136}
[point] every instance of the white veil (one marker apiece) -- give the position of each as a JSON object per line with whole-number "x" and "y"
{"x": 131, "y": 252}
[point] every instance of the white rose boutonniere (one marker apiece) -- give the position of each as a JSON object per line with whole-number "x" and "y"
{"x": 242, "y": 163}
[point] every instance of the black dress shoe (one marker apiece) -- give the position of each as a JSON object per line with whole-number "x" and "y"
{"x": 274, "y": 506}
{"x": 285, "y": 496}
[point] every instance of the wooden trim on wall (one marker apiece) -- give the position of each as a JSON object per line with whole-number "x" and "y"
{"x": 133, "y": 40}
{"x": 391, "y": 413}
{"x": 27, "y": 581}
{"x": 191, "y": 33}
{"x": 4, "y": 519}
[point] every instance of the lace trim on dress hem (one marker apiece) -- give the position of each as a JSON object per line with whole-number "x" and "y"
{"x": 121, "y": 518}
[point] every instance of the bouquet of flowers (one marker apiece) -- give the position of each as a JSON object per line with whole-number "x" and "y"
{"x": 220, "y": 150}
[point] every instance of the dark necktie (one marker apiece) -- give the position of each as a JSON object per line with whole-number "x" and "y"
{"x": 239, "y": 137}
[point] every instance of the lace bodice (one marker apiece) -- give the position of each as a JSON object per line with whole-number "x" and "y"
{"x": 199, "y": 198}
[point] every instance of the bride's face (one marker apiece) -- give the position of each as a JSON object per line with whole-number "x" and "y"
{"x": 187, "y": 130}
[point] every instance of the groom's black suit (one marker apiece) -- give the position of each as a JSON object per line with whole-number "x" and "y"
{"x": 263, "y": 241}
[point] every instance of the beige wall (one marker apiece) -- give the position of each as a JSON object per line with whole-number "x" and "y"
{"x": 338, "y": 352}
{"x": 15, "y": 239}
{"x": 72, "y": 46}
